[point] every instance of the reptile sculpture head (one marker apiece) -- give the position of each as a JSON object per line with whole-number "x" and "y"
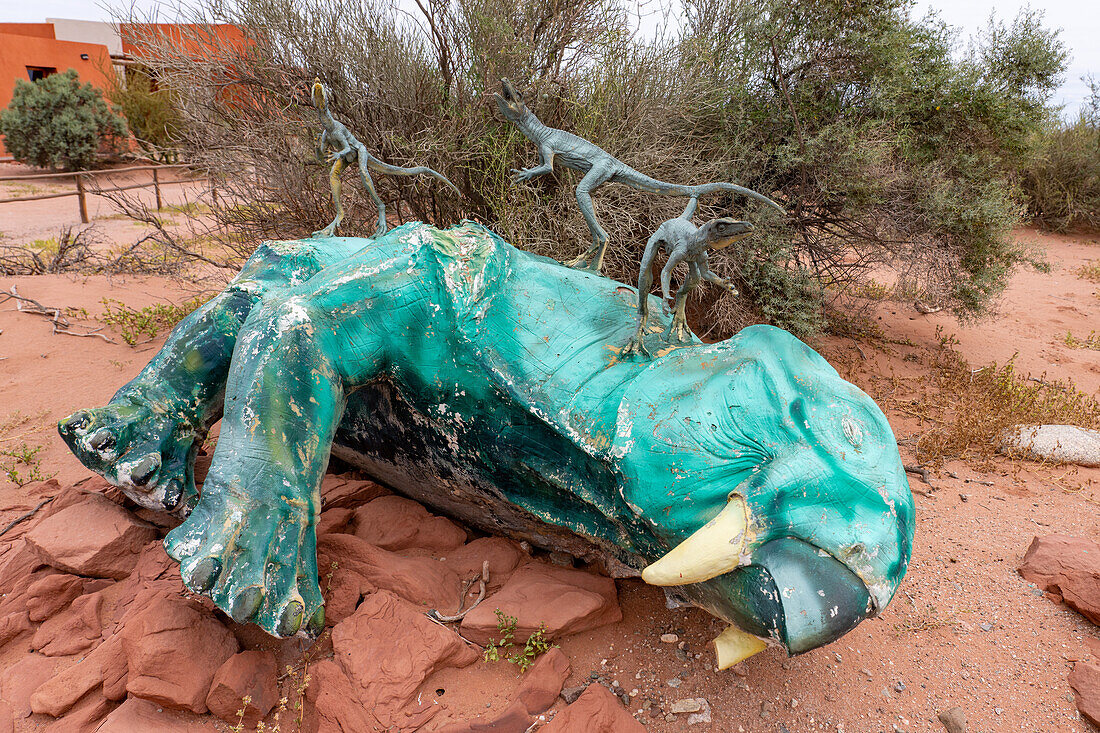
{"x": 721, "y": 233}
{"x": 320, "y": 95}
{"x": 510, "y": 103}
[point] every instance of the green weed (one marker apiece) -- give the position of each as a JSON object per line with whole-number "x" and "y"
{"x": 132, "y": 324}
{"x": 535, "y": 646}
{"x": 21, "y": 465}
{"x": 1092, "y": 341}
{"x": 1090, "y": 272}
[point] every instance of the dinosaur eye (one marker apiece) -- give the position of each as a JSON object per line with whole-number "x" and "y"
{"x": 852, "y": 431}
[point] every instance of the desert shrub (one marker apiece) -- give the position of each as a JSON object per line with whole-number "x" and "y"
{"x": 888, "y": 149}
{"x": 59, "y": 122}
{"x": 151, "y": 110}
{"x": 1063, "y": 181}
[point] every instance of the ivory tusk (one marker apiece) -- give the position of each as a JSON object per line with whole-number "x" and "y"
{"x": 713, "y": 549}
{"x": 734, "y": 645}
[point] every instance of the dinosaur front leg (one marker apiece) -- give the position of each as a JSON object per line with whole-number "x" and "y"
{"x": 250, "y": 543}
{"x": 592, "y": 260}
{"x": 338, "y": 166}
{"x": 145, "y": 440}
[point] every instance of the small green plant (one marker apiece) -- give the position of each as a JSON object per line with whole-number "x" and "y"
{"x": 1090, "y": 272}
{"x": 1092, "y": 341}
{"x": 132, "y": 324}
{"x": 535, "y": 646}
{"x": 21, "y": 465}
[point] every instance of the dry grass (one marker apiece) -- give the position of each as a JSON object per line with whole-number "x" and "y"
{"x": 1090, "y": 272}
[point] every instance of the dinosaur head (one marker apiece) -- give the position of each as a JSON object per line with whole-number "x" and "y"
{"x": 510, "y": 102}
{"x": 320, "y": 95}
{"x": 721, "y": 233}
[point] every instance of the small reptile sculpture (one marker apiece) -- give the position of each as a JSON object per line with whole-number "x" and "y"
{"x": 598, "y": 166}
{"x": 347, "y": 150}
{"x": 683, "y": 242}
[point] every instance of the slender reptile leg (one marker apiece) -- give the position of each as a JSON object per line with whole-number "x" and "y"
{"x": 368, "y": 183}
{"x": 678, "y": 331}
{"x": 591, "y": 260}
{"x": 250, "y": 543}
{"x": 334, "y": 180}
{"x": 145, "y": 440}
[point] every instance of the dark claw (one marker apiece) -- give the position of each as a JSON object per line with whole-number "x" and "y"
{"x": 74, "y": 422}
{"x": 145, "y": 469}
{"x": 101, "y": 439}
{"x": 246, "y": 603}
{"x": 205, "y": 574}
{"x": 291, "y": 619}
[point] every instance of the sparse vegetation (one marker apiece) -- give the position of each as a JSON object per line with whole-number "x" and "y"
{"x": 1092, "y": 341}
{"x": 535, "y": 646}
{"x": 1090, "y": 272}
{"x": 21, "y": 465}
{"x": 131, "y": 323}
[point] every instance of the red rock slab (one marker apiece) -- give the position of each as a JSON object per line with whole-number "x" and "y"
{"x": 333, "y": 706}
{"x": 1085, "y": 681}
{"x": 75, "y": 630}
{"x": 595, "y": 711}
{"x": 173, "y": 648}
{"x": 105, "y": 666}
{"x": 567, "y": 601}
{"x": 334, "y": 520}
{"x": 18, "y": 564}
{"x": 7, "y": 718}
{"x": 388, "y": 647}
{"x": 540, "y": 689}
{"x": 19, "y": 681}
{"x": 396, "y": 523}
{"x": 12, "y": 625}
{"x": 1069, "y": 567}
{"x": 248, "y": 674}
{"x": 51, "y": 594}
{"x": 84, "y": 716}
{"x": 420, "y": 580}
{"x": 96, "y": 537}
{"x": 141, "y": 716}
{"x": 503, "y": 555}
{"x": 348, "y": 493}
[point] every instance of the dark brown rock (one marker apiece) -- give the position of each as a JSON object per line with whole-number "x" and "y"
{"x": 595, "y": 711}
{"x": 953, "y": 720}
{"x": 141, "y": 716}
{"x": 567, "y": 601}
{"x": 96, "y": 537}
{"x": 396, "y": 523}
{"x": 249, "y": 674}
{"x": 76, "y": 629}
{"x": 361, "y": 568}
{"x": 1085, "y": 681}
{"x": 173, "y": 648}
{"x": 1069, "y": 567}
{"x": 388, "y": 647}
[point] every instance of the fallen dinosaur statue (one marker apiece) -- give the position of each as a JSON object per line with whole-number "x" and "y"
{"x": 485, "y": 382}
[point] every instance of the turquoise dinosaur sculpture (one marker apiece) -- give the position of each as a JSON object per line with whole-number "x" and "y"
{"x": 486, "y": 382}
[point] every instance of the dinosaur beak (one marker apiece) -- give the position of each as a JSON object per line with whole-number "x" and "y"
{"x": 713, "y": 549}
{"x": 509, "y": 100}
{"x": 318, "y": 94}
{"x": 728, "y": 231}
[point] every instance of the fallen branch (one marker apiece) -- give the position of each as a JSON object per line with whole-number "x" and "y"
{"x": 60, "y": 323}
{"x": 923, "y": 473}
{"x": 24, "y": 517}
{"x": 462, "y": 600}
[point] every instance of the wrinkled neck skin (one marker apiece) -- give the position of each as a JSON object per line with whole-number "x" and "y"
{"x": 326, "y": 118}
{"x": 532, "y": 128}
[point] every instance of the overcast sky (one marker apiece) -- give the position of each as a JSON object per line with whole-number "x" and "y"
{"x": 1078, "y": 19}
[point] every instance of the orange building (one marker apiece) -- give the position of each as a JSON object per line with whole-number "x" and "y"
{"x": 32, "y": 51}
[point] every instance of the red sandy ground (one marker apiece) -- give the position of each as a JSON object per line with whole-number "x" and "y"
{"x": 964, "y": 630}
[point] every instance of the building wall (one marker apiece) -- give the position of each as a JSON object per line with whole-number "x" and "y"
{"x": 17, "y": 52}
{"x": 40, "y": 30}
{"x": 88, "y": 31}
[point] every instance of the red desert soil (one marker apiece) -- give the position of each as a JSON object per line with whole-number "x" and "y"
{"x": 964, "y": 630}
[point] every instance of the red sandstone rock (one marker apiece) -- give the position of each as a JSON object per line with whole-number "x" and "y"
{"x": 334, "y": 520}
{"x": 1069, "y": 567}
{"x": 51, "y": 594}
{"x": 84, "y": 716}
{"x": 348, "y": 493}
{"x": 141, "y": 716}
{"x": 332, "y": 702}
{"x": 105, "y": 666}
{"x": 19, "y": 681}
{"x": 503, "y": 556}
{"x": 75, "y": 630}
{"x": 20, "y": 562}
{"x": 173, "y": 648}
{"x": 388, "y": 647}
{"x": 248, "y": 674}
{"x": 567, "y": 601}
{"x": 1085, "y": 681}
{"x": 7, "y": 718}
{"x": 595, "y": 711}
{"x": 95, "y": 537}
{"x": 13, "y": 625}
{"x": 362, "y": 568}
{"x": 396, "y": 523}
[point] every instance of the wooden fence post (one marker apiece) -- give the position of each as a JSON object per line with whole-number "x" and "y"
{"x": 82, "y": 199}
{"x": 156, "y": 187}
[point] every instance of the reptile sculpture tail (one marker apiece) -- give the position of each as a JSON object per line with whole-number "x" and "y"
{"x": 642, "y": 182}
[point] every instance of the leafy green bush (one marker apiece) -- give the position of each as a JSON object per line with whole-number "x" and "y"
{"x": 59, "y": 122}
{"x": 151, "y": 111}
{"x": 888, "y": 148}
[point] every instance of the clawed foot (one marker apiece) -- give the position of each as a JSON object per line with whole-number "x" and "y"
{"x": 146, "y": 453}
{"x": 380, "y": 229}
{"x": 678, "y": 331}
{"x": 636, "y": 347}
{"x": 329, "y": 231}
{"x": 587, "y": 262}
{"x": 256, "y": 560}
